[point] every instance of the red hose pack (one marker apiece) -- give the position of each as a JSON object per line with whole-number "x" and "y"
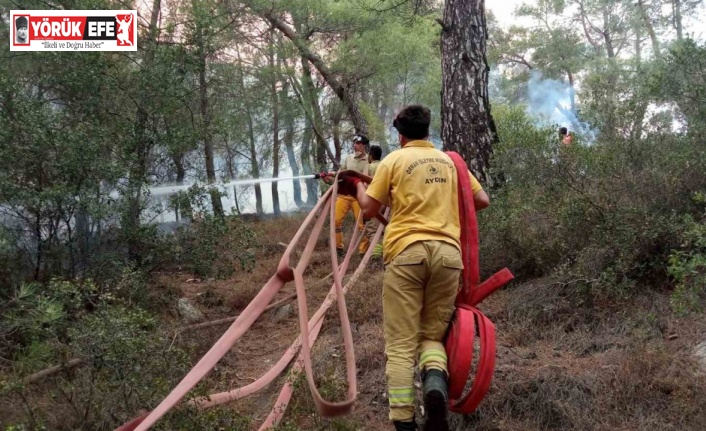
{"x": 468, "y": 320}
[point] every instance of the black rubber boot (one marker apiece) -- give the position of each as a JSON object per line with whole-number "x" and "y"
{"x": 435, "y": 401}
{"x": 405, "y": 426}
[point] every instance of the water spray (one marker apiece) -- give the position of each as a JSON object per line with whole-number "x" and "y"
{"x": 169, "y": 190}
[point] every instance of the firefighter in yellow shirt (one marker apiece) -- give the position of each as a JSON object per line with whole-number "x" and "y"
{"x": 358, "y": 161}
{"x": 422, "y": 263}
{"x": 371, "y": 225}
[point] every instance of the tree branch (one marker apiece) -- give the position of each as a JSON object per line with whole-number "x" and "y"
{"x": 342, "y": 91}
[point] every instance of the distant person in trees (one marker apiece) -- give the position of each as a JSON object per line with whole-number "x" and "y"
{"x": 422, "y": 254}
{"x": 565, "y": 137}
{"x": 21, "y": 27}
{"x": 358, "y": 161}
{"x": 371, "y": 226}
{"x": 374, "y": 159}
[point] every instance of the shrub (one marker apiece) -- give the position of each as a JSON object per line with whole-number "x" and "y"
{"x": 610, "y": 212}
{"x": 130, "y": 365}
{"x": 687, "y": 266}
{"x": 215, "y": 247}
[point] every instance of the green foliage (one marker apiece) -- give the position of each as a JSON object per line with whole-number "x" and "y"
{"x": 681, "y": 79}
{"x": 113, "y": 337}
{"x": 130, "y": 364}
{"x": 36, "y": 316}
{"x": 214, "y": 247}
{"x": 610, "y": 213}
{"x": 218, "y": 418}
{"x": 687, "y": 266}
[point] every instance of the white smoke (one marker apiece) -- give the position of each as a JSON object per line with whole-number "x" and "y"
{"x": 549, "y": 103}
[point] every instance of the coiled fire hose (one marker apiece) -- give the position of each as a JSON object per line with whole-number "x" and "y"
{"x": 459, "y": 341}
{"x": 467, "y": 318}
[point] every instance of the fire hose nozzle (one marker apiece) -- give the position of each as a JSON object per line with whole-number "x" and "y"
{"x": 323, "y": 175}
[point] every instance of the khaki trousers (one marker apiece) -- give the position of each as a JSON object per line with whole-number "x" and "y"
{"x": 419, "y": 290}
{"x": 344, "y": 204}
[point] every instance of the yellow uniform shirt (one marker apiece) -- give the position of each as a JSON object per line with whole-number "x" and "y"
{"x": 353, "y": 162}
{"x": 373, "y": 167}
{"x": 420, "y": 184}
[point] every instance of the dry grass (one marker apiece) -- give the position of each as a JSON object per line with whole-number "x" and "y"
{"x": 566, "y": 365}
{"x": 568, "y": 359}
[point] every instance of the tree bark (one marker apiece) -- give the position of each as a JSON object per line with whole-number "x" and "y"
{"x": 586, "y": 23}
{"x": 607, "y": 36}
{"x": 254, "y": 166}
{"x": 677, "y": 19}
{"x": 467, "y": 125}
{"x": 312, "y": 186}
{"x": 322, "y": 148}
{"x": 336, "y": 129}
{"x": 650, "y": 29}
{"x": 201, "y": 56}
{"x": 292, "y": 159}
{"x": 383, "y": 116}
{"x": 641, "y": 103}
{"x": 274, "y": 65}
{"x": 140, "y": 149}
{"x": 570, "y": 77}
{"x": 178, "y": 160}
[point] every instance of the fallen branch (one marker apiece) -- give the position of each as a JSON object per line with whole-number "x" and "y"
{"x": 232, "y": 318}
{"x": 53, "y": 370}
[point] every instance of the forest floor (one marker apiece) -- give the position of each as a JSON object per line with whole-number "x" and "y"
{"x": 567, "y": 359}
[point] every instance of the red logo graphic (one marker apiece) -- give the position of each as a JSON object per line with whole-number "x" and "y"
{"x": 126, "y": 36}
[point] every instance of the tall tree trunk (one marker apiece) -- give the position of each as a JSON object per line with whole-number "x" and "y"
{"x": 641, "y": 104}
{"x": 206, "y": 117}
{"x": 336, "y": 129}
{"x": 178, "y": 160}
{"x": 572, "y": 94}
{"x": 676, "y": 4}
{"x": 638, "y": 46}
{"x": 254, "y": 166}
{"x": 467, "y": 125}
{"x": 312, "y": 186}
{"x": 289, "y": 119}
{"x": 177, "y": 156}
{"x": 650, "y": 29}
{"x": 140, "y": 148}
{"x": 607, "y": 35}
{"x": 275, "y": 124}
{"x": 586, "y": 23}
{"x": 230, "y": 163}
{"x": 383, "y": 116}
{"x": 322, "y": 148}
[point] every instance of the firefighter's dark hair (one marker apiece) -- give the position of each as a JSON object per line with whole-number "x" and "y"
{"x": 375, "y": 152}
{"x": 413, "y": 122}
